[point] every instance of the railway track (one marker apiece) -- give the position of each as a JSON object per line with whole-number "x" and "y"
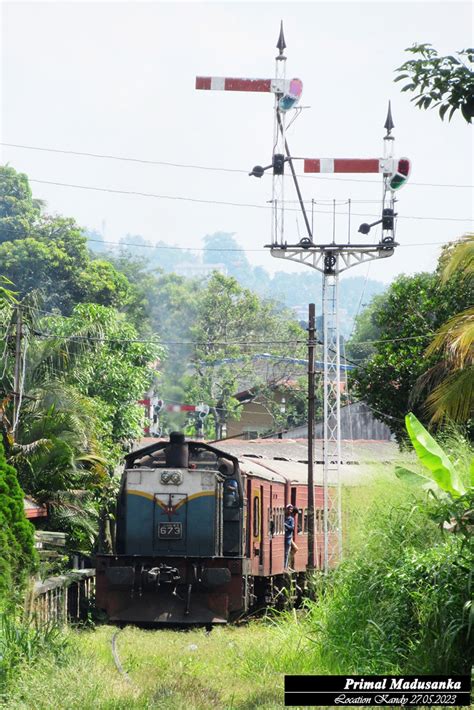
{"x": 116, "y": 657}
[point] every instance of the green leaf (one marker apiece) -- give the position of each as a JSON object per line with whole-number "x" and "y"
{"x": 433, "y": 457}
{"x": 405, "y": 474}
{"x": 401, "y": 76}
{"x": 443, "y": 110}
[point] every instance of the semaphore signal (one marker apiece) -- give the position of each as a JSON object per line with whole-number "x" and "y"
{"x": 331, "y": 257}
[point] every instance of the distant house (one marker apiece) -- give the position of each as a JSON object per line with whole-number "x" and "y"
{"x": 357, "y": 422}
{"x": 33, "y": 510}
{"x": 256, "y": 418}
{"x": 199, "y": 271}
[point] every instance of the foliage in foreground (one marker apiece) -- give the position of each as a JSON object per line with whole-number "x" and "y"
{"x": 232, "y": 667}
{"x": 443, "y": 82}
{"x": 21, "y": 644}
{"x": 401, "y": 607}
{"x": 403, "y": 603}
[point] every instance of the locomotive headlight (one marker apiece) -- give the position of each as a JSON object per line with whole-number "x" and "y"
{"x": 174, "y": 478}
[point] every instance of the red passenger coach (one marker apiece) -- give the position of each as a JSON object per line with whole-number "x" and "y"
{"x": 270, "y": 486}
{"x": 272, "y": 481}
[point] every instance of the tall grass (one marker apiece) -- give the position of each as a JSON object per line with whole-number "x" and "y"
{"x": 401, "y": 601}
{"x": 21, "y": 643}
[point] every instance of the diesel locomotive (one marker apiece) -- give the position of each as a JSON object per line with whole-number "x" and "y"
{"x": 200, "y": 536}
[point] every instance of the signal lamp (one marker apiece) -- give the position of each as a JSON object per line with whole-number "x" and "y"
{"x": 387, "y": 218}
{"x": 278, "y": 164}
{"x": 400, "y": 174}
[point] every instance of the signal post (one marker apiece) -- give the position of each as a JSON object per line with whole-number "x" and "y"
{"x": 330, "y": 257}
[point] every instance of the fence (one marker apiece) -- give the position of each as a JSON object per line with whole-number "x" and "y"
{"x": 64, "y": 598}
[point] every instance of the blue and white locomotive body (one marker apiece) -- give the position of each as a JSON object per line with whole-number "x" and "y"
{"x": 179, "y": 545}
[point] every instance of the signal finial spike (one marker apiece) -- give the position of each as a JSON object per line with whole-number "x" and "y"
{"x": 389, "y": 124}
{"x": 281, "y": 44}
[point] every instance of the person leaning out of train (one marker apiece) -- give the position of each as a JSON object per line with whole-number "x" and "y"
{"x": 289, "y": 530}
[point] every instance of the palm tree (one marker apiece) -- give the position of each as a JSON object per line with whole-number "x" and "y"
{"x": 55, "y": 444}
{"x": 452, "y": 379}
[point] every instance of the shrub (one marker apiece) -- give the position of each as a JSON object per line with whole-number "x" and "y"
{"x": 402, "y": 604}
{"x": 17, "y": 553}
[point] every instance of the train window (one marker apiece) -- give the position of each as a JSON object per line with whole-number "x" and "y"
{"x": 256, "y": 516}
{"x": 319, "y": 520}
{"x": 299, "y": 527}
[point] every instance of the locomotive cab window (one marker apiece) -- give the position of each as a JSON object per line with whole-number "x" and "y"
{"x": 256, "y": 516}
{"x": 231, "y": 493}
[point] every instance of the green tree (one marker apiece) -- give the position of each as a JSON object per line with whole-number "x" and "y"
{"x": 451, "y": 379}
{"x": 222, "y": 248}
{"x": 49, "y": 253}
{"x": 444, "y": 82}
{"x": 83, "y": 375}
{"x": 113, "y": 366}
{"x": 361, "y": 345}
{"x": 234, "y": 323}
{"x": 407, "y": 316}
{"x": 19, "y": 212}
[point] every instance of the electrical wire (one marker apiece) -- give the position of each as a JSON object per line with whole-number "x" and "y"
{"x": 202, "y": 167}
{"x": 152, "y": 246}
{"x": 231, "y": 343}
{"x": 225, "y": 203}
{"x": 205, "y": 249}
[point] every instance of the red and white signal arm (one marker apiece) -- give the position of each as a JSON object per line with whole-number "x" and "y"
{"x": 347, "y": 165}
{"x": 396, "y": 169}
{"x": 290, "y": 89}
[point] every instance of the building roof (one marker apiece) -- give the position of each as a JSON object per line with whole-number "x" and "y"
{"x": 359, "y": 451}
{"x": 287, "y": 459}
{"x": 33, "y": 509}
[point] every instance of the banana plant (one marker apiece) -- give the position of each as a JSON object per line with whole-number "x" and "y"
{"x": 440, "y": 471}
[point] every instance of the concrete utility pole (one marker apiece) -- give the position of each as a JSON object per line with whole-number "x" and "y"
{"x": 17, "y": 368}
{"x": 311, "y": 383}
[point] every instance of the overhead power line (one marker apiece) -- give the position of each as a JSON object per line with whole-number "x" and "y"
{"x": 203, "y": 343}
{"x": 227, "y": 203}
{"x": 191, "y": 166}
{"x": 225, "y": 249}
{"x": 25, "y": 235}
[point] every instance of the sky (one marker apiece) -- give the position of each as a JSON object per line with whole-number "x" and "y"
{"x": 118, "y": 78}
